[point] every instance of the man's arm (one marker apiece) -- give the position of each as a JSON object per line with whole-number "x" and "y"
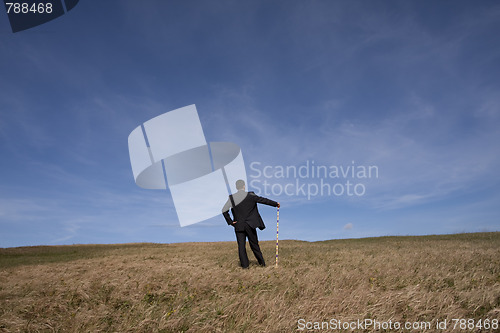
{"x": 228, "y": 218}
{"x": 263, "y": 200}
{"x": 225, "y": 212}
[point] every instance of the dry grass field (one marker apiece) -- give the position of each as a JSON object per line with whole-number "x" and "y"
{"x": 198, "y": 287}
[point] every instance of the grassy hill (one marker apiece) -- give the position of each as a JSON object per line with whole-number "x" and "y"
{"x": 199, "y": 287}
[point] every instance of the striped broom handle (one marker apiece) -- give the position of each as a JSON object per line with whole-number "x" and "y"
{"x": 277, "y": 232}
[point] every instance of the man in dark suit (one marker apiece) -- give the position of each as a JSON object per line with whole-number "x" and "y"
{"x": 246, "y": 219}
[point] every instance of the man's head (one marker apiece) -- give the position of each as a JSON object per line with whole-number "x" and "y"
{"x": 240, "y": 184}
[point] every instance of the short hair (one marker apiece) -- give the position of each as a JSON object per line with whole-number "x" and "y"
{"x": 240, "y": 184}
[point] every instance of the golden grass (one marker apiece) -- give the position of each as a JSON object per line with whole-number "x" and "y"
{"x": 199, "y": 287}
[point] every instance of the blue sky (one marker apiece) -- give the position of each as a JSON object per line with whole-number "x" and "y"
{"x": 408, "y": 86}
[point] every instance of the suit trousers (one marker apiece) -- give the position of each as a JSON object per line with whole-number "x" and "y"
{"x": 251, "y": 234}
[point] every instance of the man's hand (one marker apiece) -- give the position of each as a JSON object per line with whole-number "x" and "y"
{"x": 278, "y": 205}
{"x": 235, "y": 222}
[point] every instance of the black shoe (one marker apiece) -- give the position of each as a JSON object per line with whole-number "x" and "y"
{"x": 263, "y": 264}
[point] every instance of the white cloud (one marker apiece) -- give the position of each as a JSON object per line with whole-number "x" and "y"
{"x": 421, "y": 153}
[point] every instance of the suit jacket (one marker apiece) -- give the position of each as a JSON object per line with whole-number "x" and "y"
{"x": 245, "y": 210}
